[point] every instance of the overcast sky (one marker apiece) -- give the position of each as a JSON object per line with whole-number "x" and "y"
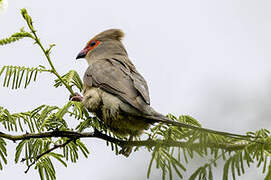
{"x": 209, "y": 59}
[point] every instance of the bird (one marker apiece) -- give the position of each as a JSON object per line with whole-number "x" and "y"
{"x": 114, "y": 91}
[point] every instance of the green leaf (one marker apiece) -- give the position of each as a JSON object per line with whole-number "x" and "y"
{"x": 3, "y": 153}
{"x": 58, "y": 157}
{"x": 15, "y": 37}
{"x": 149, "y": 168}
{"x": 195, "y": 174}
{"x": 177, "y": 171}
{"x": 72, "y": 78}
{"x": 226, "y": 169}
{"x": 210, "y": 177}
{"x": 19, "y": 149}
{"x": 83, "y": 148}
{"x": 15, "y": 74}
{"x": 268, "y": 175}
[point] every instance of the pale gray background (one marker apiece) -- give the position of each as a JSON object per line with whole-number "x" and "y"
{"x": 209, "y": 59}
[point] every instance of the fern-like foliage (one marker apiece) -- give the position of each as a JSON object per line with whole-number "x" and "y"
{"x": 3, "y": 153}
{"x": 205, "y": 144}
{"x": 235, "y": 163}
{"x": 168, "y": 159}
{"x": 31, "y": 150}
{"x": 70, "y": 152}
{"x": 46, "y": 168}
{"x": 15, "y": 37}
{"x": 43, "y": 119}
{"x": 72, "y": 78}
{"x": 15, "y": 75}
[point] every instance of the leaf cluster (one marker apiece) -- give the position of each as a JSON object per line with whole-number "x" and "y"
{"x": 14, "y": 75}
{"x": 43, "y": 119}
{"x": 235, "y": 153}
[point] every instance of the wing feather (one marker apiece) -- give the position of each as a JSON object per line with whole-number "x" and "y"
{"x": 113, "y": 77}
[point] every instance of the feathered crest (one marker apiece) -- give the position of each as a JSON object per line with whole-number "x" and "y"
{"x": 114, "y": 34}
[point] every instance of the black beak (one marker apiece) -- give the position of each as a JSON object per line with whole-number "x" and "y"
{"x": 82, "y": 54}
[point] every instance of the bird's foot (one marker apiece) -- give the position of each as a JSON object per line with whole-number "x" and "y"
{"x": 126, "y": 151}
{"x": 77, "y": 97}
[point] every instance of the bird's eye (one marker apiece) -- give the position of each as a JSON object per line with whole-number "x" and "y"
{"x": 92, "y": 43}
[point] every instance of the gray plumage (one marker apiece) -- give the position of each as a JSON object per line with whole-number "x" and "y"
{"x": 113, "y": 89}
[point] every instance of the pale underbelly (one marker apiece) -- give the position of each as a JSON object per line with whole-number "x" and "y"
{"x": 117, "y": 116}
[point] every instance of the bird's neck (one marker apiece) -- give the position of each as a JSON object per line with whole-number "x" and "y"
{"x": 91, "y": 59}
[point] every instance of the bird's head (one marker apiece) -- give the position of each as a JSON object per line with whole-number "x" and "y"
{"x": 104, "y": 45}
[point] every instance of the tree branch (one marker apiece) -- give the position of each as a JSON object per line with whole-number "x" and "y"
{"x": 122, "y": 143}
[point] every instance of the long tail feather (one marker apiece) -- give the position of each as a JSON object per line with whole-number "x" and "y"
{"x": 165, "y": 120}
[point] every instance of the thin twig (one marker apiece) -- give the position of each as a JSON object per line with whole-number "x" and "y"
{"x": 46, "y": 53}
{"x": 46, "y": 152}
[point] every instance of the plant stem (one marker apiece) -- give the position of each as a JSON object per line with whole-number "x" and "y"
{"x": 51, "y": 64}
{"x": 46, "y": 53}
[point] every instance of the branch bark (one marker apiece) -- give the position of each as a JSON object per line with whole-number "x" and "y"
{"x": 122, "y": 143}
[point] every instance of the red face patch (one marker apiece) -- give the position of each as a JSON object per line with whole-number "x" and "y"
{"x": 92, "y": 44}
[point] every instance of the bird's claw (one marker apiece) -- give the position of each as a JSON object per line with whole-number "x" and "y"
{"x": 77, "y": 97}
{"x": 126, "y": 151}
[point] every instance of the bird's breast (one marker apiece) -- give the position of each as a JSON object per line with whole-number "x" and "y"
{"x": 91, "y": 98}
{"x": 118, "y": 116}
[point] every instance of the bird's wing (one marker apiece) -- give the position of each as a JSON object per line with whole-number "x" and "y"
{"x": 139, "y": 82}
{"x": 141, "y": 85}
{"x": 113, "y": 77}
